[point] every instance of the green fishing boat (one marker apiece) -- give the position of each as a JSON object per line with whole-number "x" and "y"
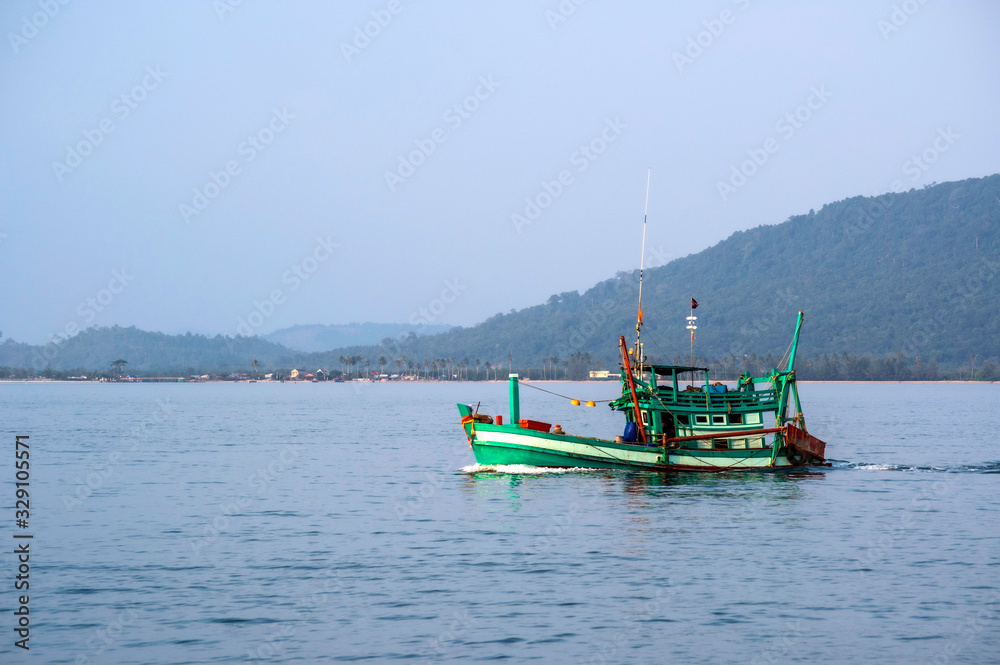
{"x": 677, "y": 419}
{"x": 669, "y": 426}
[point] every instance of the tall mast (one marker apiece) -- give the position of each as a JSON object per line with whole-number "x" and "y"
{"x": 795, "y": 343}
{"x": 642, "y": 263}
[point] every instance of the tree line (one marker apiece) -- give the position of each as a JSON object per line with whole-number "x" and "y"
{"x": 577, "y": 367}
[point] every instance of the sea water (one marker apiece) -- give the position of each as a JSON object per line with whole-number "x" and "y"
{"x": 327, "y": 522}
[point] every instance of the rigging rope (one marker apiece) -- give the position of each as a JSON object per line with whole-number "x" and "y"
{"x": 785, "y": 355}
{"x": 595, "y": 401}
{"x": 653, "y": 340}
{"x": 662, "y": 339}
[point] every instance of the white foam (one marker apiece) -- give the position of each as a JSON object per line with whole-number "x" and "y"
{"x": 521, "y": 469}
{"x": 860, "y": 466}
{"x": 894, "y": 467}
{"x": 876, "y": 467}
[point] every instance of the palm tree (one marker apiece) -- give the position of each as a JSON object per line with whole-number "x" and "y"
{"x": 382, "y": 360}
{"x": 254, "y": 368}
{"x": 488, "y": 366}
{"x": 342, "y": 359}
{"x": 477, "y": 368}
{"x": 367, "y": 373}
{"x": 555, "y": 365}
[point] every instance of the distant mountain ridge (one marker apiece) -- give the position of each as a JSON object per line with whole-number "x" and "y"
{"x": 319, "y": 337}
{"x": 913, "y": 273}
{"x": 180, "y": 355}
{"x": 183, "y": 355}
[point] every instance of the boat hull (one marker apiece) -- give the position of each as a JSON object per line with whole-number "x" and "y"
{"x": 507, "y": 445}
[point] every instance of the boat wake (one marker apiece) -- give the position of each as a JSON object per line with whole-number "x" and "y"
{"x": 988, "y": 467}
{"x": 523, "y": 469}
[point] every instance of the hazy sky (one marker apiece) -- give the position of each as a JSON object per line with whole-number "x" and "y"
{"x": 170, "y": 164}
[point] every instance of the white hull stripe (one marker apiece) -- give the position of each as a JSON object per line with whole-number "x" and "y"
{"x": 573, "y": 446}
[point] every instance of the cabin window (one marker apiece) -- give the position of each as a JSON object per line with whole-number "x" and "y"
{"x": 718, "y": 420}
{"x": 753, "y": 418}
{"x": 645, "y": 417}
{"x": 683, "y": 419}
{"x": 735, "y": 418}
{"x": 701, "y": 420}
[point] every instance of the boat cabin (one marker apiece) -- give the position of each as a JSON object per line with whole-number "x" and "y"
{"x": 678, "y": 401}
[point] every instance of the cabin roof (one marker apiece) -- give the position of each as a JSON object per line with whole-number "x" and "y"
{"x": 670, "y": 369}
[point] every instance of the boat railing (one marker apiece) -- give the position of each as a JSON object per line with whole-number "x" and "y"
{"x": 758, "y": 399}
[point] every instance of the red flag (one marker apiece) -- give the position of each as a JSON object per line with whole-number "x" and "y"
{"x": 694, "y": 304}
{"x": 640, "y": 315}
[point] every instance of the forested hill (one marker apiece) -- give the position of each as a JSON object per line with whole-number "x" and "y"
{"x": 95, "y": 349}
{"x": 913, "y": 272}
{"x": 317, "y": 337}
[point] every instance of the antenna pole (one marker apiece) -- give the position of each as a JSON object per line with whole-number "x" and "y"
{"x": 642, "y": 263}
{"x": 692, "y": 326}
{"x": 692, "y": 335}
